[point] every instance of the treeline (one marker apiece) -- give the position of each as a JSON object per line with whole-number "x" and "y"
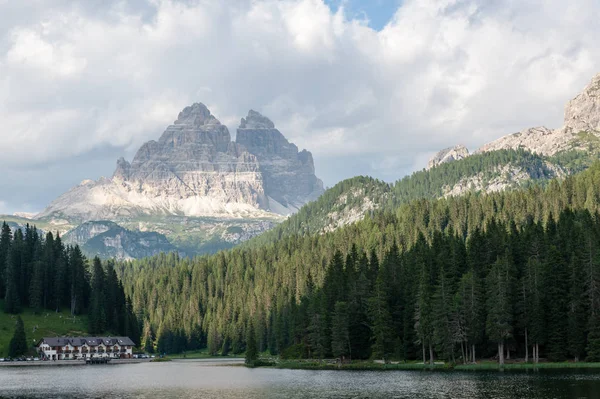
{"x": 530, "y": 292}
{"x": 41, "y": 273}
{"x": 209, "y": 301}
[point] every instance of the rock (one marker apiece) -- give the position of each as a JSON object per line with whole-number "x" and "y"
{"x": 448, "y": 155}
{"x": 289, "y": 176}
{"x": 254, "y": 120}
{"x": 583, "y": 112}
{"x": 540, "y": 140}
{"x": 109, "y": 240}
{"x": 582, "y": 115}
{"x": 194, "y": 169}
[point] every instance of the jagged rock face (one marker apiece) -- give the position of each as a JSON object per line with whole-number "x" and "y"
{"x": 194, "y": 162}
{"x": 583, "y": 112}
{"x": 448, "y": 155}
{"x": 540, "y": 140}
{"x": 194, "y": 169}
{"x": 289, "y": 175}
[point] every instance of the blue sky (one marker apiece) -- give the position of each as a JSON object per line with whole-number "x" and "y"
{"x": 378, "y": 12}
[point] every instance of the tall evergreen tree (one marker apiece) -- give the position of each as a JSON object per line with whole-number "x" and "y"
{"x": 5, "y": 241}
{"x": 251, "y": 346}
{"x": 499, "y": 320}
{"x": 97, "y": 314}
{"x": 18, "y": 344}
{"x": 340, "y": 335}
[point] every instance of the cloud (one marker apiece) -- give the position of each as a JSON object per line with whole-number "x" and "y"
{"x": 90, "y": 81}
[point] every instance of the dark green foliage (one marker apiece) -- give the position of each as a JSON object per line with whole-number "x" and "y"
{"x": 340, "y": 333}
{"x": 251, "y": 347}
{"x": 455, "y": 278}
{"x": 18, "y": 343}
{"x": 45, "y": 274}
{"x": 5, "y": 241}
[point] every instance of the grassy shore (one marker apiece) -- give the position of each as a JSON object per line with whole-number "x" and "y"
{"x": 482, "y": 366}
{"x": 45, "y": 324}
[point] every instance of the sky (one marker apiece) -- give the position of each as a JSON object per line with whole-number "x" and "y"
{"x": 370, "y": 87}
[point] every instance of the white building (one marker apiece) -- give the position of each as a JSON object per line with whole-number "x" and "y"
{"x": 69, "y": 348}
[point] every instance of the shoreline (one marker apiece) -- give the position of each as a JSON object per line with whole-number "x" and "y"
{"x": 69, "y": 363}
{"x": 372, "y": 366}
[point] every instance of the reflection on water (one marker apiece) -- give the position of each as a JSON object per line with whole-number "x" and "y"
{"x": 208, "y": 380}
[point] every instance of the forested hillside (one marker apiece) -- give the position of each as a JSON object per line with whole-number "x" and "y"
{"x": 41, "y": 274}
{"x": 461, "y": 277}
{"x": 479, "y": 173}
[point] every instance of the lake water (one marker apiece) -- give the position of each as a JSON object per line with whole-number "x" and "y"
{"x": 202, "y": 379}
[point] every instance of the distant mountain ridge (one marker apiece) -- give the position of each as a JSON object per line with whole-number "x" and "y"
{"x": 194, "y": 169}
{"x": 236, "y": 190}
{"x": 531, "y": 157}
{"x": 109, "y": 240}
{"x": 581, "y": 118}
{"x": 195, "y": 186}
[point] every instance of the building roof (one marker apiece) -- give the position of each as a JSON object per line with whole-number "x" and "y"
{"x": 90, "y": 341}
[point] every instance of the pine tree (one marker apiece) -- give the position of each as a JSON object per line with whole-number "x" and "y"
{"x": 593, "y": 345}
{"x": 5, "y": 242}
{"x": 381, "y": 319}
{"x": 340, "y": 334}
{"x": 499, "y": 319}
{"x": 557, "y": 289}
{"x": 12, "y": 302}
{"x": 577, "y": 311}
{"x": 97, "y": 314}
{"x": 18, "y": 343}
{"x": 36, "y": 289}
{"x": 424, "y": 311}
{"x": 317, "y": 327}
{"x": 79, "y": 280}
{"x": 251, "y": 347}
{"x": 148, "y": 338}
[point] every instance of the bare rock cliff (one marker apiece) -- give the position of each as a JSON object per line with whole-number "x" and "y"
{"x": 288, "y": 175}
{"x": 194, "y": 169}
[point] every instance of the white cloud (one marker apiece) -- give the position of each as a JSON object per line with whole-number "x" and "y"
{"x": 78, "y": 78}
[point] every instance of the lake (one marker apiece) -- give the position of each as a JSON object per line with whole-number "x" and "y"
{"x": 212, "y": 380}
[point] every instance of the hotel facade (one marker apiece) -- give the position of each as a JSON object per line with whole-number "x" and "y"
{"x": 76, "y": 348}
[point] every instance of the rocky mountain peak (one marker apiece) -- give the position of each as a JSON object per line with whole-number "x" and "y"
{"x": 255, "y": 120}
{"x": 196, "y": 115}
{"x": 583, "y": 112}
{"x": 289, "y": 175}
{"x": 194, "y": 169}
{"x": 448, "y": 155}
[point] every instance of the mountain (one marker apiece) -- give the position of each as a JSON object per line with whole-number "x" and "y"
{"x": 565, "y": 150}
{"x": 531, "y": 157}
{"x": 194, "y": 169}
{"x": 448, "y": 155}
{"x": 109, "y": 240}
{"x": 288, "y": 175}
{"x": 194, "y": 175}
{"x": 581, "y": 127}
